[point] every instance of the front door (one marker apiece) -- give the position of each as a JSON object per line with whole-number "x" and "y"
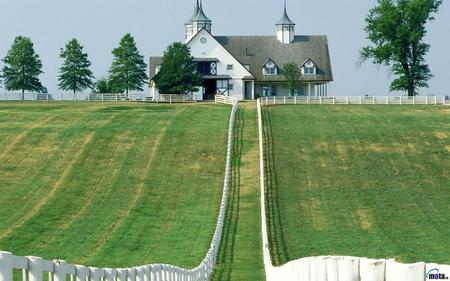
{"x": 248, "y": 90}
{"x": 210, "y": 87}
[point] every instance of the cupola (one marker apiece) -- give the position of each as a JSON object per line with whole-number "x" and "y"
{"x": 285, "y": 28}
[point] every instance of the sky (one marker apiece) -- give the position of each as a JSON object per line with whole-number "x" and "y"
{"x": 99, "y": 25}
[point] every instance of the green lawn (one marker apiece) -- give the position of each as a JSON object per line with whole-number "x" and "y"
{"x": 111, "y": 184}
{"x": 371, "y": 181}
{"x": 240, "y": 256}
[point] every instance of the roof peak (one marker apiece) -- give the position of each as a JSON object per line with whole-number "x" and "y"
{"x": 199, "y": 14}
{"x": 285, "y": 20}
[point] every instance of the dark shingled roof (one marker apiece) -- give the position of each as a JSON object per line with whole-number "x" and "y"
{"x": 154, "y": 62}
{"x": 256, "y": 50}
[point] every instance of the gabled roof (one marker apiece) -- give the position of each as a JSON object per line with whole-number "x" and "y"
{"x": 256, "y": 50}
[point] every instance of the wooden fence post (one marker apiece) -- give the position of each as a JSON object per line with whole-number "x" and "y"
{"x": 435, "y": 100}
{"x": 426, "y": 100}
{"x": 6, "y": 267}
{"x": 170, "y": 98}
{"x": 295, "y": 100}
{"x": 35, "y": 269}
{"x": 401, "y": 100}
{"x": 360, "y": 99}
{"x": 81, "y": 273}
{"x": 348, "y": 100}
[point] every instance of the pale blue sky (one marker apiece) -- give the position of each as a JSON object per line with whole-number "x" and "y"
{"x": 99, "y": 25}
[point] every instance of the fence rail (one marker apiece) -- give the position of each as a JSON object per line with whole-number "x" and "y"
{"x": 225, "y": 99}
{"x": 361, "y": 100}
{"x": 33, "y": 268}
{"x": 94, "y": 97}
{"x": 336, "y": 268}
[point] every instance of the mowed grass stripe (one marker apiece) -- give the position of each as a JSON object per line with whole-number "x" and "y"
{"x": 363, "y": 181}
{"x": 240, "y": 255}
{"x": 99, "y": 194}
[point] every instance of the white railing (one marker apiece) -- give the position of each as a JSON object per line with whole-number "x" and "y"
{"x": 361, "y": 100}
{"x": 75, "y": 97}
{"x": 33, "y": 268}
{"x": 169, "y": 98}
{"x": 226, "y": 99}
{"x": 337, "y": 268}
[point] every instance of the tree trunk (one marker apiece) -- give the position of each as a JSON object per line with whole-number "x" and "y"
{"x": 411, "y": 89}
{"x": 23, "y": 94}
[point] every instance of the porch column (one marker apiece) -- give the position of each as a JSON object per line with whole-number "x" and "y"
{"x": 253, "y": 89}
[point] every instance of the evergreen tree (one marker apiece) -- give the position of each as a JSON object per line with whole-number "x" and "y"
{"x": 396, "y": 29}
{"x": 104, "y": 86}
{"x": 22, "y": 67}
{"x": 178, "y": 73}
{"x": 75, "y": 74}
{"x": 292, "y": 73}
{"x": 128, "y": 70}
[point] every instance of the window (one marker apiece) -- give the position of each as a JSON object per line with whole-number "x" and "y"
{"x": 270, "y": 68}
{"x": 309, "y": 68}
{"x": 267, "y": 91}
{"x": 230, "y": 67}
{"x": 230, "y": 86}
{"x": 270, "y": 71}
{"x": 222, "y": 84}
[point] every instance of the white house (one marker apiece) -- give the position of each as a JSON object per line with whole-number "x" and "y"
{"x": 250, "y": 66}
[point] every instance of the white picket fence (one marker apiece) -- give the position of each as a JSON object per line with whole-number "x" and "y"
{"x": 93, "y": 97}
{"x": 33, "y": 268}
{"x": 337, "y": 268}
{"x": 225, "y": 99}
{"x": 359, "y": 100}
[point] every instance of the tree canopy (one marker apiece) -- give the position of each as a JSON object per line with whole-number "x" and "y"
{"x": 128, "y": 70}
{"x": 104, "y": 86}
{"x": 292, "y": 73}
{"x": 75, "y": 74}
{"x": 396, "y": 30}
{"x": 178, "y": 72}
{"x": 22, "y": 67}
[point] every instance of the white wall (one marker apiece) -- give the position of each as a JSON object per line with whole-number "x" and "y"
{"x": 212, "y": 49}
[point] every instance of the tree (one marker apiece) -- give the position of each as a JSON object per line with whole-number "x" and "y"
{"x": 104, "y": 86}
{"x": 292, "y": 73}
{"x": 22, "y": 67}
{"x": 75, "y": 74}
{"x": 178, "y": 73}
{"x": 128, "y": 70}
{"x": 396, "y": 29}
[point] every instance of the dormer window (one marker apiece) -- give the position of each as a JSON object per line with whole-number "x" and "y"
{"x": 309, "y": 68}
{"x": 270, "y": 68}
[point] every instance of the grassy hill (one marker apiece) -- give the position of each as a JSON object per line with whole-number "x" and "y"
{"x": 110, "y": 184}
{"x": 370, "y": 181}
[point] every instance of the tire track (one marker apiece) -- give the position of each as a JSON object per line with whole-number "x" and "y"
{"x": 123, "y": 215}
{"x": 53, "y": 190}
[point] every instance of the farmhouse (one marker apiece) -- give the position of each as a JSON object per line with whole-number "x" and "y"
{"x": 247, "y": 67}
